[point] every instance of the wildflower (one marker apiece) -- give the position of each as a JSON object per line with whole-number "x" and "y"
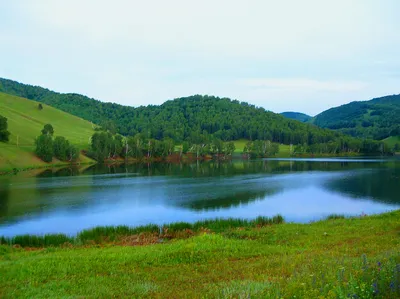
{"x": 375, "y": 288}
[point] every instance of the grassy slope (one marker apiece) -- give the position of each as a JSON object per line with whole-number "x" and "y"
{"x": 284, "y": 150}
{"x": 25, "y": 122}
{"x": 392, "y": 140}
{"x": 328, "y": 259}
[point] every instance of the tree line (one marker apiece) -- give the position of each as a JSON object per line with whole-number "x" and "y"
{"x": 105, "y": 145}
{"x": 345, "y": 145}
{"x": 261, "y": 149}
{"x": 48, "y": 147}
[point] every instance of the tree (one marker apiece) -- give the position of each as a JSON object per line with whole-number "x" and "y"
{"x": 40, "y": 106}
{"x": 44, "y": 147}
{"x": 109, "y": 126}
{"x": 229, "y": 148}
{"x": 60, "y": 148}
{"x": 48, "y": 130}
{"x": 72, "y": 153}
{"x": 4, "y": 133}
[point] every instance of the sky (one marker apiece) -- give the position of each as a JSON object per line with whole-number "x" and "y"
{"x": 286, "y": 55}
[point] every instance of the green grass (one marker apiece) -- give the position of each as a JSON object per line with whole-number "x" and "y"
{"x": 239, "y": 145}
{"x": 336, "y": 258}
{"x": 108, "y": 234}
{"x": 25, "y": 121}
{"x": 392, "y": 140}
{"x": 284, "y": 149}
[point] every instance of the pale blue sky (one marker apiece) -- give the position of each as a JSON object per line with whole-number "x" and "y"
{"x": 294, "y": 55}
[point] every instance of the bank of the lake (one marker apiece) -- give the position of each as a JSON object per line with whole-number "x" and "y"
{"x": 337, "y": 258}
{"x": 15, "y": 159}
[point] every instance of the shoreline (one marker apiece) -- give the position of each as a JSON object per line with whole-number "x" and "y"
{"x": 174, "y": 230}
{"x": 119, "y": 161}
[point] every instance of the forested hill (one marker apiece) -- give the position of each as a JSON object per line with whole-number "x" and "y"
{"x": 378, "y": 118}
{"x": 182, "y": 118}
{"x": 296, "y": 116}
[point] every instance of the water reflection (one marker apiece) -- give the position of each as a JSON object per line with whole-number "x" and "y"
{"x": 382, "y": 186}
{"x": 68, "y": 200}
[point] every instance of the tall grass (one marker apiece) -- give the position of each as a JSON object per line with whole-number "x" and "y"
{"x": 103, "y": 234}
{"x": 335, "y": 216}
{"x": 109, "y": 234}
{"x": 37, "y": 241}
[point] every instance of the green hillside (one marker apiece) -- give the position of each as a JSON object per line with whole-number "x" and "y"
{"x": 180, "y": 118}
{"x": 296, "y": 116}
{"x": 25, "y": 121}
{"x": 378, "y": 118}
{"x": 393, "y": 142}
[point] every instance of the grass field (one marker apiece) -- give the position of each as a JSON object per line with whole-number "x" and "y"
{"x": 392, "y": 140}
{"x": 284, "y": 150}
{"x": 25, "y": 121}
{"x": 335, "y": 258}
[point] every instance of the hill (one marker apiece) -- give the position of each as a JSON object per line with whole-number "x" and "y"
{"x": 180, "y": 119}
{"x": 25, "y": 121}
{"x": 376, "y": 119}
{"x": 297, "y": 116}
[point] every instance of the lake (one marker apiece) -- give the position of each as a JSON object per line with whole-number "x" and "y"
{"x": 301, "y": 190}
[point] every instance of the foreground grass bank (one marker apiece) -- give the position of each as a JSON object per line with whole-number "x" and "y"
{"x": 335, "y": 258}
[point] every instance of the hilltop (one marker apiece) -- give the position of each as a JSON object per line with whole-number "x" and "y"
{"x": 297, "y": 116}
{"x": 26, "y": 120}
{"x": 376, "y": 119}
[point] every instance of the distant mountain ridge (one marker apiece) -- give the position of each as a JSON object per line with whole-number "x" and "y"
{"x": 378, "y": 118}
{"x": 181, "y": 118}
{"x": 297, "y": 116}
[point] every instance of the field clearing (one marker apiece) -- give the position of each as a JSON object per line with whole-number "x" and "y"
{"x": 284, "y": 149}
{"x": 336, "y": 258}
{"x": 392, "y": 141}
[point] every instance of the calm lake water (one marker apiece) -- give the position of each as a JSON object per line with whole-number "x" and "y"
{"x": 302, "y": 190}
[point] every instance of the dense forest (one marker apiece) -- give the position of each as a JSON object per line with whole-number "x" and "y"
{"x": 377, "y": 119}
{"x": 181, "y": 118}
{"x": 4, "y": 133}
{"x": 296, "y": 116}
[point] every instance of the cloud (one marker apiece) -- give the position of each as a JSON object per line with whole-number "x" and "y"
{"x": 303, "y": 84}
{"x": 276, "y": 54}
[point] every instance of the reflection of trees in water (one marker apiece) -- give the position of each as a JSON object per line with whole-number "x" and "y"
{"x": 381, "y": 185}
{"x": 45, "y": 194}
{"x": 234, "y": 200}
{"x": 229, "y": 168}
{"x": 58, "y": 172}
